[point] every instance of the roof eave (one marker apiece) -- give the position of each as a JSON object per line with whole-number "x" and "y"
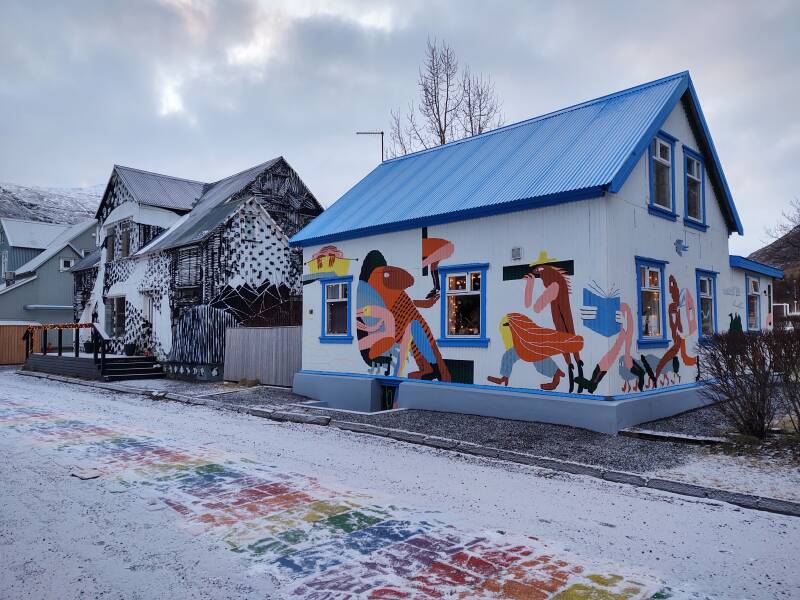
{"x": 748, "y": 264}
{"x": 734, "y": 214}
{"x": 452, "y": 217}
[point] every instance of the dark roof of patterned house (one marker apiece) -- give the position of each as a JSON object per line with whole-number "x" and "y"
{"x": 164, "y": 191}
{"x": 579, "y": 152}
{"x": 87, "y": 262}
{"x": 211, "y": 210}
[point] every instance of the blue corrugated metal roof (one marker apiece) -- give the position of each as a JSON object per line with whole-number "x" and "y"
{"x": 748, "y": 264}
{"x": 164, "y": 191}
{"x": 574, "y": 153}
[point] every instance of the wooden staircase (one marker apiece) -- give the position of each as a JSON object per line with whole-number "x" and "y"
{"x": 134, "y": 367}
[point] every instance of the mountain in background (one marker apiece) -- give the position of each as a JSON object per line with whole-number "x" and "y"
{"x": 51, "y": 205}
{"x": 784, "y": 253}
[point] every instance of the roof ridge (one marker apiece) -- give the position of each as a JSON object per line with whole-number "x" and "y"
{"x": 548, "y": 115}
{"x": 243, "y": 171}
{"x": 159, "y": 174}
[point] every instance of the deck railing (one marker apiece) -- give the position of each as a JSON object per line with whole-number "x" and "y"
{"x": 99, "y": 339}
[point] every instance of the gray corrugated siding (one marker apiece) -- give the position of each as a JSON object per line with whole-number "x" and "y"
{"x": 19, "y": 256}
{"x": 270, "y": 354}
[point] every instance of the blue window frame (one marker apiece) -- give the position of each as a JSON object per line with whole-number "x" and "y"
{"x": 661, "y": 161}
{"x": 752, "y": 294}
{"x": 335, "y": 309}
{"x": 463, "y": 305}
{"x": 694, "y": 190}
{"x": 706, "y": 303}
{"x": 652, "y": 319}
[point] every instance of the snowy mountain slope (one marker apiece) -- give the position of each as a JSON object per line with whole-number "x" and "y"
{"x": 52, "y": 205}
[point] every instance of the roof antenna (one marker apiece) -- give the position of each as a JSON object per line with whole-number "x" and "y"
{"x": 380, "y": 133}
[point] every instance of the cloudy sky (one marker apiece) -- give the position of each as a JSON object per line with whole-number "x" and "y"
{"x": 203, "y": 88}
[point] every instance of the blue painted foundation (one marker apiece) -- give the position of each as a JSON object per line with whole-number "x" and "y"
{"x": 597, "y": 413}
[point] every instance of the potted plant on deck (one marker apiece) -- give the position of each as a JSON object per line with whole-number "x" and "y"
{"x": 130, "y": 349}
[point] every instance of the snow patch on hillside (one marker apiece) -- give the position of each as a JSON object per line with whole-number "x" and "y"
{"x": 51, "y": 205}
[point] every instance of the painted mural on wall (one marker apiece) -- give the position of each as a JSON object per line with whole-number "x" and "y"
{"x": 550, "y": 333}
{"x": 389, "y": 325}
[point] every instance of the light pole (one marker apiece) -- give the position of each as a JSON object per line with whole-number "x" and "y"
{"x": 380, "y": 133}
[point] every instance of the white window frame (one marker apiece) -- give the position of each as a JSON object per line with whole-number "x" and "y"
{"x": 345, "y": 299}
{"x": 61, "y": 265}
{"x": 467, "y": 291}
{"x": 699, "y": 179}
{"x": 656, "y": 155}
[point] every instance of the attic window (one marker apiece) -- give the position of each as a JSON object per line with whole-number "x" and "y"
{"x": 66, "y": 264}
{"x": 694, "y": 194}
{"x": 661, "y": 174}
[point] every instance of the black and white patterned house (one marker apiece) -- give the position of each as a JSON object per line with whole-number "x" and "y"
{"x": 183, "y": 260}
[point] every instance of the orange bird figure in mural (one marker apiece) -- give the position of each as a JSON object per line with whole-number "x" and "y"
{"x": 411, "y": 329}
{"x": 676, "y": 330}
{"x": 556, "y": 295}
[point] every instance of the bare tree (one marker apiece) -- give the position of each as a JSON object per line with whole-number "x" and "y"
{"x": 451, "y": 106}
{"x": 480, "y": 108}
{"x": 790, "y": 222}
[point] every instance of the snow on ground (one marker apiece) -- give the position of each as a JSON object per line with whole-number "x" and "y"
{"x": 759, "y": 475}
{"x": 193, "y": 502}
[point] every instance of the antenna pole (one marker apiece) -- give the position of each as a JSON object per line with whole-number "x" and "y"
{"x": 380, "y": 133}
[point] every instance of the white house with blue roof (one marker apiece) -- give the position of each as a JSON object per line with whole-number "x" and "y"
{"x": 561, "y": 269}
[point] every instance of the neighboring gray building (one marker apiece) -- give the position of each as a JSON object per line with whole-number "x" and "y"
{"x": 41, "y": 289}
{"x": 21, "y": 240}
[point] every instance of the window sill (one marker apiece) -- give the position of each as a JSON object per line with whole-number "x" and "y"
{"x": 336, "y": 339}
{"x": 652, "y": 343}
{"x": 657, "y": 211}
{"x": 463, "y": 342}
{"x": 695, "y": 224}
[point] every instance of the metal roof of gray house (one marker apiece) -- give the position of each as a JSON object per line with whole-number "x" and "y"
{"x": 165, "y": 191}
{"x": 30, "y": 234}
{"x": 88, "y": 261}
{"x": 575, "y": 153}
{"x": 58, "y": 244}
{"x": 209, "y": 212}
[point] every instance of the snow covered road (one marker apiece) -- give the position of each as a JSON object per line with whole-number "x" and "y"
{"x": 191, "y": 502}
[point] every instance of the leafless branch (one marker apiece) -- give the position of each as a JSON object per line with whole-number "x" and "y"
{"x": 480, "y": 108}
{"x": 790, "y": 222}
{"x": 451, "y": 105}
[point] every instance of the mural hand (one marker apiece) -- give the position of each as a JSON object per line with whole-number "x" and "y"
{"x": 588, "y": 313}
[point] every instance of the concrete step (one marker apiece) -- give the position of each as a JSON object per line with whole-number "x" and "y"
{"x": 130, "y": 376}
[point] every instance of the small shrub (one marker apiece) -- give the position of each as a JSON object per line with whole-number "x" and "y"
{"x": 739, "y": 369}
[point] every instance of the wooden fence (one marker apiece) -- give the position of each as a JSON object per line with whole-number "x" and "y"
{"x": 272, "y": 355}
{"x": 12, "y": 348}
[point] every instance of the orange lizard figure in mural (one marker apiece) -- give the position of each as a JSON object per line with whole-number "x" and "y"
{"x": 411, "y": 329}
{"x": 676, "y": 330}
{"x": 556, "y": 295}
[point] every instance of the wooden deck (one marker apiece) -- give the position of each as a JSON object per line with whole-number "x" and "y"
{"x": 115, "y": 367}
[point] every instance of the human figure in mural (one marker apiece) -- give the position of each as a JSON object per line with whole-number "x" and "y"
{"x": 556, "y": 296}
{"x": 388, "y": 319}
{"x": 678, "y": 347}
{"x": 434, "y": 250}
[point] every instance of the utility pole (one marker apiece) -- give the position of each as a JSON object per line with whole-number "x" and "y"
{"x": 380, "y": 133}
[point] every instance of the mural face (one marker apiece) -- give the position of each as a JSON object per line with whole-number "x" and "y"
{"x": 389, "y": 325}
